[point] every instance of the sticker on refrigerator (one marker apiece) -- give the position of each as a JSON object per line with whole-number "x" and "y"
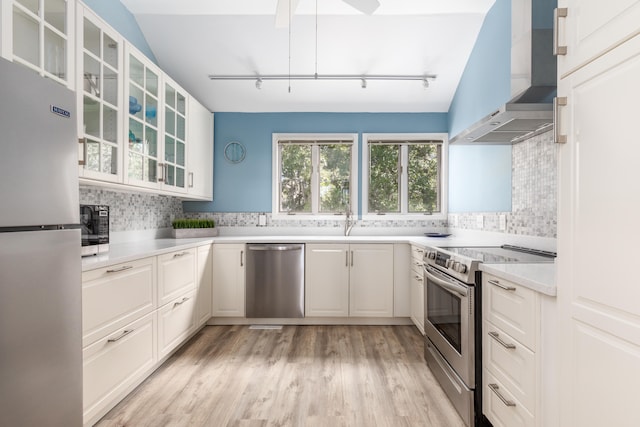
{"x": 60, "y": 111}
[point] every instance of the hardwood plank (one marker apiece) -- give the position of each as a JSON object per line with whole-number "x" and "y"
{"x": 298, "y": 376}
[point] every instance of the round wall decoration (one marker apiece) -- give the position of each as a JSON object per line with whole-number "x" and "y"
{"x": 234, "y": 152}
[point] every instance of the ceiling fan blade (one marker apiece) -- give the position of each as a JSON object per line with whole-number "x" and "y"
{"x": 364, "y": 6}
{"x": 282, "y": 12}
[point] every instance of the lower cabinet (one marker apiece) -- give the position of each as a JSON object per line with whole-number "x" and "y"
{"x": 349, "y": 280}
{"x": 134, "y": 315}
{"x": 228, "y": 280}
{"x": 176, "y": 320}
{"x": 115, "y": 364}
{"x": 417, "y": 289}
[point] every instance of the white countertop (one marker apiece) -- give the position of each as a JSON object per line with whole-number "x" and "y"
{"x": 539, "y": 277}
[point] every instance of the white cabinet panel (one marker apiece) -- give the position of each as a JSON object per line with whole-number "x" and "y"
{"x": 228, "y": 280}
{"x": 326, "y": 280}
{"x": 508, "y": 413}
{"x": 592, "y": 27}
{"x": 115, "y": 296}
{"x": 204, "y": 281}
{"x": 371, "y": 280}
{"x": 175, "y": 322}
{"x": 401, "y": 280}
{"x": 200, "y": 175}
{"x": 115, "y": 363}
{"x": 176, "y": 274}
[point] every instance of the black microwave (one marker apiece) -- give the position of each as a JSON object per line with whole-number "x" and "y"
{"x": 94, "y": 222}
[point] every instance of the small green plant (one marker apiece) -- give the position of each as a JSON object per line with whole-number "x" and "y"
{"x": 192, "y": 223}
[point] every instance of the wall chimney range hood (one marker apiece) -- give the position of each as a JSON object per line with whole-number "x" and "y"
{"x": 533, "y": 86}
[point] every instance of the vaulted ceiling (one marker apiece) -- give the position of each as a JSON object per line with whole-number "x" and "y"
{"x": 193, "y": 39}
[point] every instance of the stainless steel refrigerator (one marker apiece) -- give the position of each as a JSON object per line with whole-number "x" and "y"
{"x": 40, "y": 267}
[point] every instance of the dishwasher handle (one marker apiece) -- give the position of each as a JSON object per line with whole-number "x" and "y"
{"x": 275, "y": 247}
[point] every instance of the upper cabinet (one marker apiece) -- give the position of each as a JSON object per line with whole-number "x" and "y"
{"x": 175, "y": 137}
{"x": 200, "y": 153}
{"x": 40, "y": 35}
{"x": 590, "y": 28}
{"x": 100, "y": 87}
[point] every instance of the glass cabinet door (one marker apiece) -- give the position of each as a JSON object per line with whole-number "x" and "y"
{"x": 40, "y": 36}
{"x": 142, "y": 122}
{"x": 101, "y": 81}
{"x": 174, "y": 136}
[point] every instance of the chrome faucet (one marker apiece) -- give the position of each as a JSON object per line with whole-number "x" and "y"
{"x": 348, "y": 222}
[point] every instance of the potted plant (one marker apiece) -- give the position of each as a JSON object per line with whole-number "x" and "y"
{"x": 187, "y": 228}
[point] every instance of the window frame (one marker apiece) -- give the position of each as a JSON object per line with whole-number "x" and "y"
{"x": 313, "y": 138}
{"x": 405, "y": 139}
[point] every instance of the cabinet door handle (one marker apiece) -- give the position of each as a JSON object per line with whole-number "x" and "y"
{"x": 558, "y": 101}
{"x": 559, "y": 12}
{"x": 190, "y": 179}
{"x": 163, "y": 169}
{"x": 182, "y": 301}
{"x": 418, "y": 278}
{"x": 496, "y": 336}
{"x": 501, "y": 286}
{"x": 346, "y": 261}
{"x": 83, "y": 143}
{"x": 241, "y": 257}
{"x": 122, "y": 335}
{"x": 494, "y": 388}
{"x": 180, "y": 254}
{"x": 351, "y": 258}
{"x": 117, "y": 270}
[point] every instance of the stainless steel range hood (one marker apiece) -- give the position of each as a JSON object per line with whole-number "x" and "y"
{"x": 533, "y": 86}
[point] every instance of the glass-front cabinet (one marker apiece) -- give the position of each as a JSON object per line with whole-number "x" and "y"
{"x": 100, "y": 88}
{"x": 39, "y": 34}
{"x": 175, "y": 112}
{"x": 142, "y": 92}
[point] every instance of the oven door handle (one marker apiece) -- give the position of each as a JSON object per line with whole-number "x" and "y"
{"x": 449, "y": 286}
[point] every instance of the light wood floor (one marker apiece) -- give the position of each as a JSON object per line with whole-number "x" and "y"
{"x": 299, "y": 376}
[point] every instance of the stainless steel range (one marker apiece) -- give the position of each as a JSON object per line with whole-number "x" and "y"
{"x": 453, "y": 320}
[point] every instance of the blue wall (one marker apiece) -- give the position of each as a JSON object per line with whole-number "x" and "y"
{"x": 246, "y": 187}
{"x": 119, "y": 17}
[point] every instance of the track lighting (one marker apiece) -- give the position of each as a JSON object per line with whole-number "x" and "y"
{"x": 425, "y": 83}
{"x": 363, "y": 83}
{"x": 424, "y": 78}
{"x": 259, "y": 83}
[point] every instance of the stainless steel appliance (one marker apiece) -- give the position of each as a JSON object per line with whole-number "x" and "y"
{"x": 453, "y": 319}
{"x": 275, "y": 280}
{"x": 40, "y": 291}
{"x": 94, "y": 220}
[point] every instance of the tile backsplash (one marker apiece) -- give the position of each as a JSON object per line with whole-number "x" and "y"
{"x": 132, "y": 211}
{"x": 534, "y": 193}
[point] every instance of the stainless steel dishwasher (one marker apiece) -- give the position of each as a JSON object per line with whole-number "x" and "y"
{"x": 275, "y": 280}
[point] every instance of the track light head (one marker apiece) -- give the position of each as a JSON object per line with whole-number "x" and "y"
{"x": 363, "y": 83}
{"x": 425, "y": 83}
{"x": 259, "y": 83}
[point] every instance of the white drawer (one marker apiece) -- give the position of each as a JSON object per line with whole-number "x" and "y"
{"x": 508, "y": 413}
{"x": 417, "y": 252}
{"x": 176, "y": 274}
{"x": 115, "y": 363}
{"x": 175, "y": 321}
{"x": 511, "y": 363}
{"x": 510, "y": 307}
{"x": 113, "y": 297}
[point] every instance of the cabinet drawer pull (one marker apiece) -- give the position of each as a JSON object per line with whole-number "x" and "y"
{"x": 177, "y": 303}
{"x": 180, "y": 254}
{"x": 501, "y": 286}
{"x": 559, "y": 12}
{"x": 241, "y": 258}
{"x": 496, "y": 336}
{"x": 420, "y": 251}
{"x": 190, "y": 179}
{"x": 494, "y": 388}
{"x": 418, "y": 278}
{"x": 418, "y": 263}
{"x": 122, "y": 335}
{"x": 346, "y": 262}
{"x": 123, "y": 268}
{"x": 351, "y": 258}
{"x": 558, "y": 101}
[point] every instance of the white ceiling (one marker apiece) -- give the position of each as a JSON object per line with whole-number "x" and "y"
{"x": 192, "y": 39}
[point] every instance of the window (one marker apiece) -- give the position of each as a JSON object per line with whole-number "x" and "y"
{"x": 403, "y": 174}
{"x": 316, "y": 174}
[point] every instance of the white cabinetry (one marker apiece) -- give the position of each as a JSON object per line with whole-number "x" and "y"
{"x": 349, "y": 280}
{"x": 176, "y": 274}
{"x": 100, "y": 92}
{"x": 591, "y": 28}
{"x": 200, "y": 153}
{"x": 40, "y": 35}
{"x": 326, "y": 280}
{"x": 228, "y": 280}
{"x": 175, "y": 322}
{"x": 174, "y": 142}
{"x": 599, "y": 315}
{"x": 204, "y": 281}
{"x": 417, "y": 288}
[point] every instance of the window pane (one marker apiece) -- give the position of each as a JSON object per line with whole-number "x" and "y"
{"x": 423, "y": 177}
{"x": 26, "y": 33}
{"x": 55, "y": 13}
{"x": 335, "y": 173}
{"x": 295, "y": 178}
{"x": 384, "y": 178}
{"x": 55, "y": 54}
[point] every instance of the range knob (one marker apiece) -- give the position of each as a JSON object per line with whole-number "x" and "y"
{"x": 431, "y": 254}
{"x": 449, "y": 263}
{"x": 459, "y": 267}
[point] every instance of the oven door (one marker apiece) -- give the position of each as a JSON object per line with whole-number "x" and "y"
{"x": 449, "y": 321}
